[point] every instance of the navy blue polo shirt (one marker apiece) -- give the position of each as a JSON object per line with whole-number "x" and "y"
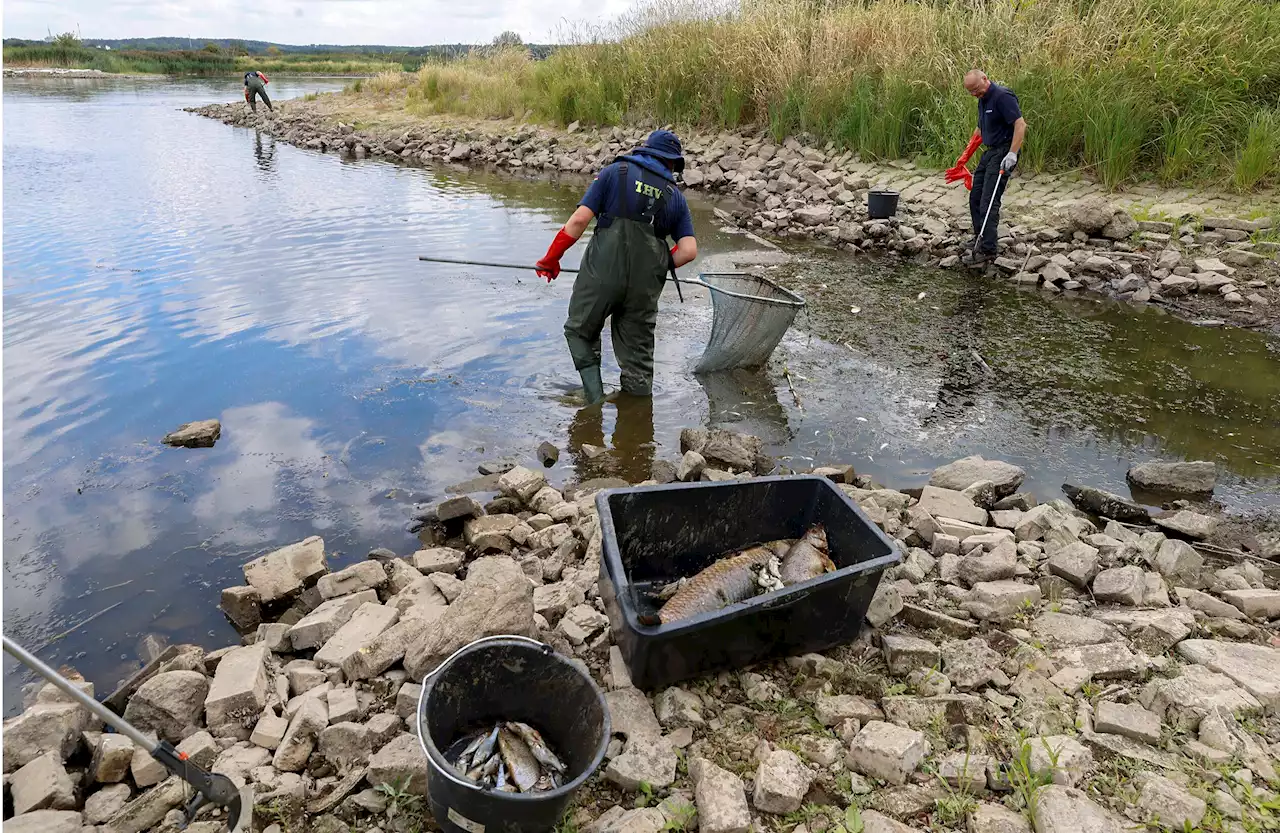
{"x": 674, "y": 221}
{"x": 997, "y": 111}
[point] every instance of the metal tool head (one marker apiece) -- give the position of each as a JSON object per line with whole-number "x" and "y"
{"x": 217, "y": 789}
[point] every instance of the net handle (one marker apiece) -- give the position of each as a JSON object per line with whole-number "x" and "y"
{"x": 784, "y": 302}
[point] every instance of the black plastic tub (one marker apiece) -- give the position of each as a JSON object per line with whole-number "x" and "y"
{"x": 508, "y": 678}
{"x": 652, "y": 535}
{"x": 881, "y": 205}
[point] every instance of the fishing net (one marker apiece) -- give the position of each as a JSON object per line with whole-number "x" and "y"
{"x": 750, "y": 314}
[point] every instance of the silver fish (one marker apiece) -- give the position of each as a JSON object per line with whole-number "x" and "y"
{"x": 502, "y": 776}
{"x": 544, "y": 783}
{"x": 537, "y": 745}
{"x": 484, "y": 749}
{"x": 518, "y": 758}
{"x": 808, "y": 558}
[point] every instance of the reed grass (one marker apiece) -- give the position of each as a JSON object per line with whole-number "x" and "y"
{"x": 1175, "y": 89}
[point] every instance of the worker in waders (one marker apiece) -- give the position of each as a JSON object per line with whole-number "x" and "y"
{"x": 637, "y": 207}
{"x": 255, "y": 84}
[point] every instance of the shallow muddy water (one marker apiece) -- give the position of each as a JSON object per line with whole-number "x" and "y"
{"x": 161, "y": 268}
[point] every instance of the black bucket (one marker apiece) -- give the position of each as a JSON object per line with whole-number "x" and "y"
{"x": 509, "y": 678}
{"x": 881, "y": 205}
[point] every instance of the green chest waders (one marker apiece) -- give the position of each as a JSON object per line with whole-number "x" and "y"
{"x": 621, "y": 279}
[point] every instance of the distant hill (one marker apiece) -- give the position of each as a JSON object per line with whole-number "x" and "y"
{"x": 258, "y": 47}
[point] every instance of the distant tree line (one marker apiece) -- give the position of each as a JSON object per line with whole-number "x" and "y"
{"x": 235, "y": 47}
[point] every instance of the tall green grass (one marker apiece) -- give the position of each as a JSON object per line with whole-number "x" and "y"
{"x": 1175, "y": 89}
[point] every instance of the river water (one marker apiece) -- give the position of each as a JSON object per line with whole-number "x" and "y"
{"x": 160, "y": 268}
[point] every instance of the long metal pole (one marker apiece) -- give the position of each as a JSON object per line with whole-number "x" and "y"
{"x": 977, "y": 241}
{"x": 35, "y": 663}
{"x": 495, "y": 265}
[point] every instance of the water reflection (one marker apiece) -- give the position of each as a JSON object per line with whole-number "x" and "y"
{"x": 630, "y": 455}
{"x": 746, "y": 401}
{"x": 264, "y": 151}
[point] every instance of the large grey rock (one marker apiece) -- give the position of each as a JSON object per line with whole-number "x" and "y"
{"x": 1256, "y": 668}
{"x": 521, "y": 483}
{"x": 496, "y": 598}
{"x": 1063, "y": 758}
{"x": 400, "y": 763}
{"x": 1129, "y": 720}
{"x": 1106, "y": 504}
{"x": 1258, "y": 604}
{"x": 439, "y": 560}
{"x": 149, "y": 808}
{"x": 1062, "y": 809}
{"x": 111, "y": 758}
{"x": 645, "y": 760}
{"x": 45, "y": 821}
{"x": 365, "y": 625}
{"x": 970, "y": 663}
{"x": 1178, "y": 562}
{"x": 1001, "y": 600}
{"x": 1167, "y": 802}
{"x": 676, "y": 707}
{"x": 170, "y": 705}
{"x": 242, "y": 605}
{"x": 367, "y": 575}
{"x": 1120, "y": 227}
{"x": 834, "y": 709}
{"x": 873, "y": 821}
{"x": 105, "y": 803}
{"x": 199, "y": 434}
{"x": 1208, "y": 605}
{"x": 1090, "y": 215}
{"x": 963, "y": 473}
{"x": 318, "y": 626}
{"x": 1197, "y": 477}
{"x": 300, "y": 738}
{"x": 885, "y": 604}
{"x": 1191, "y": 524}
{"x": 948, "y": 503}
{"x": 720, "y": 798}
{"x": 1063, "y": 630}
{"x": 883, "y": 750}
{"x": 904, "y": 654}
{"x": 1123, "y": 585}
{"x": 43, "y": 784}
{"x": 782, "y": 780}
{"x": 200, "y": 749}
{"x": 239, "y": 688}
{"x": 42, "y": 728}
{"x": 269, "y": 730}
{"x": 1105, "y": 661}
{"x": 1037, "y": 521}
{"x": 999, "y": 564}
{"x": 631, "y": 713}
{"x": 284, "y": 572}
{"x": 1184, "y": 700}
{"x": 1077, "y": 563}
{"x": 993, "y": 818}
{"x": 921, "y": 712}
{"x": 345, "y": 744}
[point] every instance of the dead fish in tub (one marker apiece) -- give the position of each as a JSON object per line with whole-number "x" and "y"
{"x": 808, "y": 558}
{"x": 739, "y": 577}
{"x": 511, "y": 757}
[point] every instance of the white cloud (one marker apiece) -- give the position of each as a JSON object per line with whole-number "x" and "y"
{"x": 390, "y": 22}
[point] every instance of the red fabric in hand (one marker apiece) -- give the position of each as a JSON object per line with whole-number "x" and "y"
{"x": 549, "y": 266}
{"x": 959, "y": 172}
{"x": 975, "y": 141}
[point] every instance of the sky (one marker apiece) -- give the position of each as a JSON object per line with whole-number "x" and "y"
{"x": 390, "y": 22}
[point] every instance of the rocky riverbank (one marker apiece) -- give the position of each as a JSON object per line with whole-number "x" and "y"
{"x": 1205, "y": 267}
{"x": 1075, "y": 665}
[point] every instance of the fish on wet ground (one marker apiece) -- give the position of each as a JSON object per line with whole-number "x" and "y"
{"x": 511, "y": 757}
{"x": 739, "y": 577}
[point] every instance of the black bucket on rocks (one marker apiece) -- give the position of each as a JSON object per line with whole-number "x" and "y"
{"x": 508, "y": 678}
{"x": 881, "y": 205}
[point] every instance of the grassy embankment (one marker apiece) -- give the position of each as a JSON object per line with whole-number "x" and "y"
{"x": 1179, "y": 90}
{"x": 199, "y": 62}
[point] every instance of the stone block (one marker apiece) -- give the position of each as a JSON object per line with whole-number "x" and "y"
{"x": 782, "y": 780}
{"x": 886, "y": 751}
{"x": 284, "y": 572}
{"x": 367, "y": 575}
{"x": 239, "y": 688}
{"x": 438, "y": 560}
{"x": 365, "y": 625}
{"x": 318, "y": 626}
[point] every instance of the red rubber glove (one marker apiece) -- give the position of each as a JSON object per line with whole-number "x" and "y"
{"x": 959, "y": 172}
{"x": 549, "y": 266}
{"x": 975, "y": 141}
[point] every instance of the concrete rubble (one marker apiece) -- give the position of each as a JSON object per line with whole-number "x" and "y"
{"x": 1036, "y": 641}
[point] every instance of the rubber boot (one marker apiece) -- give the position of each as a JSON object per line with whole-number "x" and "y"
{"x": 592, "y": 386}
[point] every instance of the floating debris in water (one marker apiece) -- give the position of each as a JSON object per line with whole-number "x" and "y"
{"x": 510, "y": 757}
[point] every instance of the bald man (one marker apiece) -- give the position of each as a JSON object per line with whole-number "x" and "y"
{"x": 1002, "y": 129}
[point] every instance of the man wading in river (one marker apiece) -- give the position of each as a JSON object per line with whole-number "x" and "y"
{"x": 255, "y": 84}
{"x": 1001, "y": 128}
{"x": 637, "y": 206}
